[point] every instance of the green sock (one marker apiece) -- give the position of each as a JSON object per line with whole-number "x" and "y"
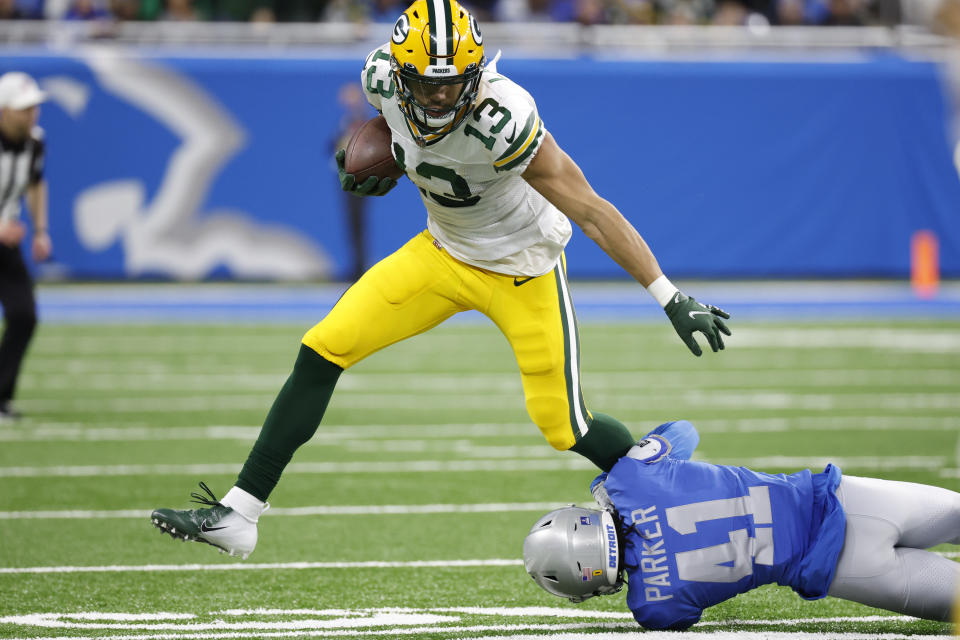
{"x": 607, "y": 441}
{"x": 293, "y": 419}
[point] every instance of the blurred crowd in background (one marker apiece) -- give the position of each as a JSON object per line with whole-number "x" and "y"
{"x": 587, "y": 12}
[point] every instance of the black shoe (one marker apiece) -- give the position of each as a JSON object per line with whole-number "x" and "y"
{"x": 8, "y": 414}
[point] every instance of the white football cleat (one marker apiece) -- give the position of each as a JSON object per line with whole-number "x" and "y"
{"x": 218, "y": 525}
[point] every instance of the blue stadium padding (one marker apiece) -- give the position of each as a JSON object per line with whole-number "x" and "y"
{"x": 728, "y": 169}
{"x": 306, "y": 305}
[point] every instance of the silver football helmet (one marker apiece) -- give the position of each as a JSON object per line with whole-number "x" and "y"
{"x": 574, "y": 553}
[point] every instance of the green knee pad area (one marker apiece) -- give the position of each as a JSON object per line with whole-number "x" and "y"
{"x": 606, "y": 441}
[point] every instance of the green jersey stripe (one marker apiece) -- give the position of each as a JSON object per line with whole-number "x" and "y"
{"x": 448, "y": 23}
{"x": 521, "y": 137}
{"x": 523, "y": 156}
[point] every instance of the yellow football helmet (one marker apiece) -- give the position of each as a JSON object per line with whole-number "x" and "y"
{"x": 436, "y": 59}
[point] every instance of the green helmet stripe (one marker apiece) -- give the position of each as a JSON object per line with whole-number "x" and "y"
{"x": 432, "y": 20}
{"x": 448, "y": 21}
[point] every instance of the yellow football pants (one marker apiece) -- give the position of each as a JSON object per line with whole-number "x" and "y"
{"x": 420, "y": 286}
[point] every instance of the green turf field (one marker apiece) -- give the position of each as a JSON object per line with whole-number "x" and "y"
{"x": 405, "y": 515}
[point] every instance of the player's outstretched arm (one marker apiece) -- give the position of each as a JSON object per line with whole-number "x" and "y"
{"x": 558, "y": 178}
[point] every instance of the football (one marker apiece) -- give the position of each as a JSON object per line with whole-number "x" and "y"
{"x": 368, "y": 152}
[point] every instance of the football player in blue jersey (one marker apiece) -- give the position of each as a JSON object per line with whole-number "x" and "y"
{"x": 690, "y": 535}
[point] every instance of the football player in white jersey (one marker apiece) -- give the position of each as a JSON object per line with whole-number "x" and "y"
{"x": 500, "y": 195}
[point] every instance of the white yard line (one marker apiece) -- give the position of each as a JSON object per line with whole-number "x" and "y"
{"x": 885, "y": 339}
{"x": 557, "y": 463}
{"x": 812, "y": 338}
{"x": 322, "y": 510}
{"x": 76, "y": 432}
{"x": 511, "y": 401}
{"x": 136, "y": 432}
{"x": 549, "y": 631}
{"x": 722, "y": 635}
{"x": 627, "y": 380}
{"x": 412, "y": 466}
{"x": 409, "y": 622}
{"x": 254, "y": 566}
{"x": 276, "y": 566}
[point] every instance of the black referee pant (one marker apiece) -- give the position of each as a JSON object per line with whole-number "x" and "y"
{"x": 19, "y": 315}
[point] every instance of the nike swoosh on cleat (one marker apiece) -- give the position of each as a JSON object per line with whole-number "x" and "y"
{"x": 519, "y": 281}
{"x": 694, "y": 313}
{"x": 204, "y": 528}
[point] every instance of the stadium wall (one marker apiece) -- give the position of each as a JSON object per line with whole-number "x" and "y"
{"x": 208, "y": 166}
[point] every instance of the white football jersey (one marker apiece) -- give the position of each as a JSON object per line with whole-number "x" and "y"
{"x": 478, "y": 206}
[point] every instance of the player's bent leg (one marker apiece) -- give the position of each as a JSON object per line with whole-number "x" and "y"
{"x": 293, "y": 419}
{"x": 373, "y": 313}
{"x": 406, "y": 293}
{"x": 606, "y": 441}
{"x": 539, "y": 322}
{"x": 924, "y": 515}
{"x": 917, "y": 583}
{"x": 231, "y": 524}
{"x": 932, "y": 580}
{"x": 873, "y": 568}
{"x": 601, "y": 439}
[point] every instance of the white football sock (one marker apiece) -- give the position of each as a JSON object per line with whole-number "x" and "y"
{"x": 245, "y": 504}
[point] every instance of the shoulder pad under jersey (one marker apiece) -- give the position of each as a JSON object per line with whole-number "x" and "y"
{"x": 376, "y": 78}
{"x": 506, "y": 119}
{"x": 652, "y": 448}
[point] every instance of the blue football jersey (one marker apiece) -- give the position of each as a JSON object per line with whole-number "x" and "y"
{"x": 698, "y": 534}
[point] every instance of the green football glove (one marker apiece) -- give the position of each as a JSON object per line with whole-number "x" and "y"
{"x": 689, "y": 316}
{"x": 372, "y": 186}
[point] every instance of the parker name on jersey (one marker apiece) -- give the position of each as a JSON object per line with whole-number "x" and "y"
{"x": 479, "y": 207}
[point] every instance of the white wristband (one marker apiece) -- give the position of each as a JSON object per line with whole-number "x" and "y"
{"x": 662, "y": 290}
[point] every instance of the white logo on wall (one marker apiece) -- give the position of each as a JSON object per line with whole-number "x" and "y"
{"x": 170, "y": 235}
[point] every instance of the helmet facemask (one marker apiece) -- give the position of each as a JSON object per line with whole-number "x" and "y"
{"x": 414, "y": 90}
{"x": 436, "y": 59}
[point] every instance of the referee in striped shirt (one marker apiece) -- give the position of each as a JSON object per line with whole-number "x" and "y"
{"x": 21, "y": 178}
